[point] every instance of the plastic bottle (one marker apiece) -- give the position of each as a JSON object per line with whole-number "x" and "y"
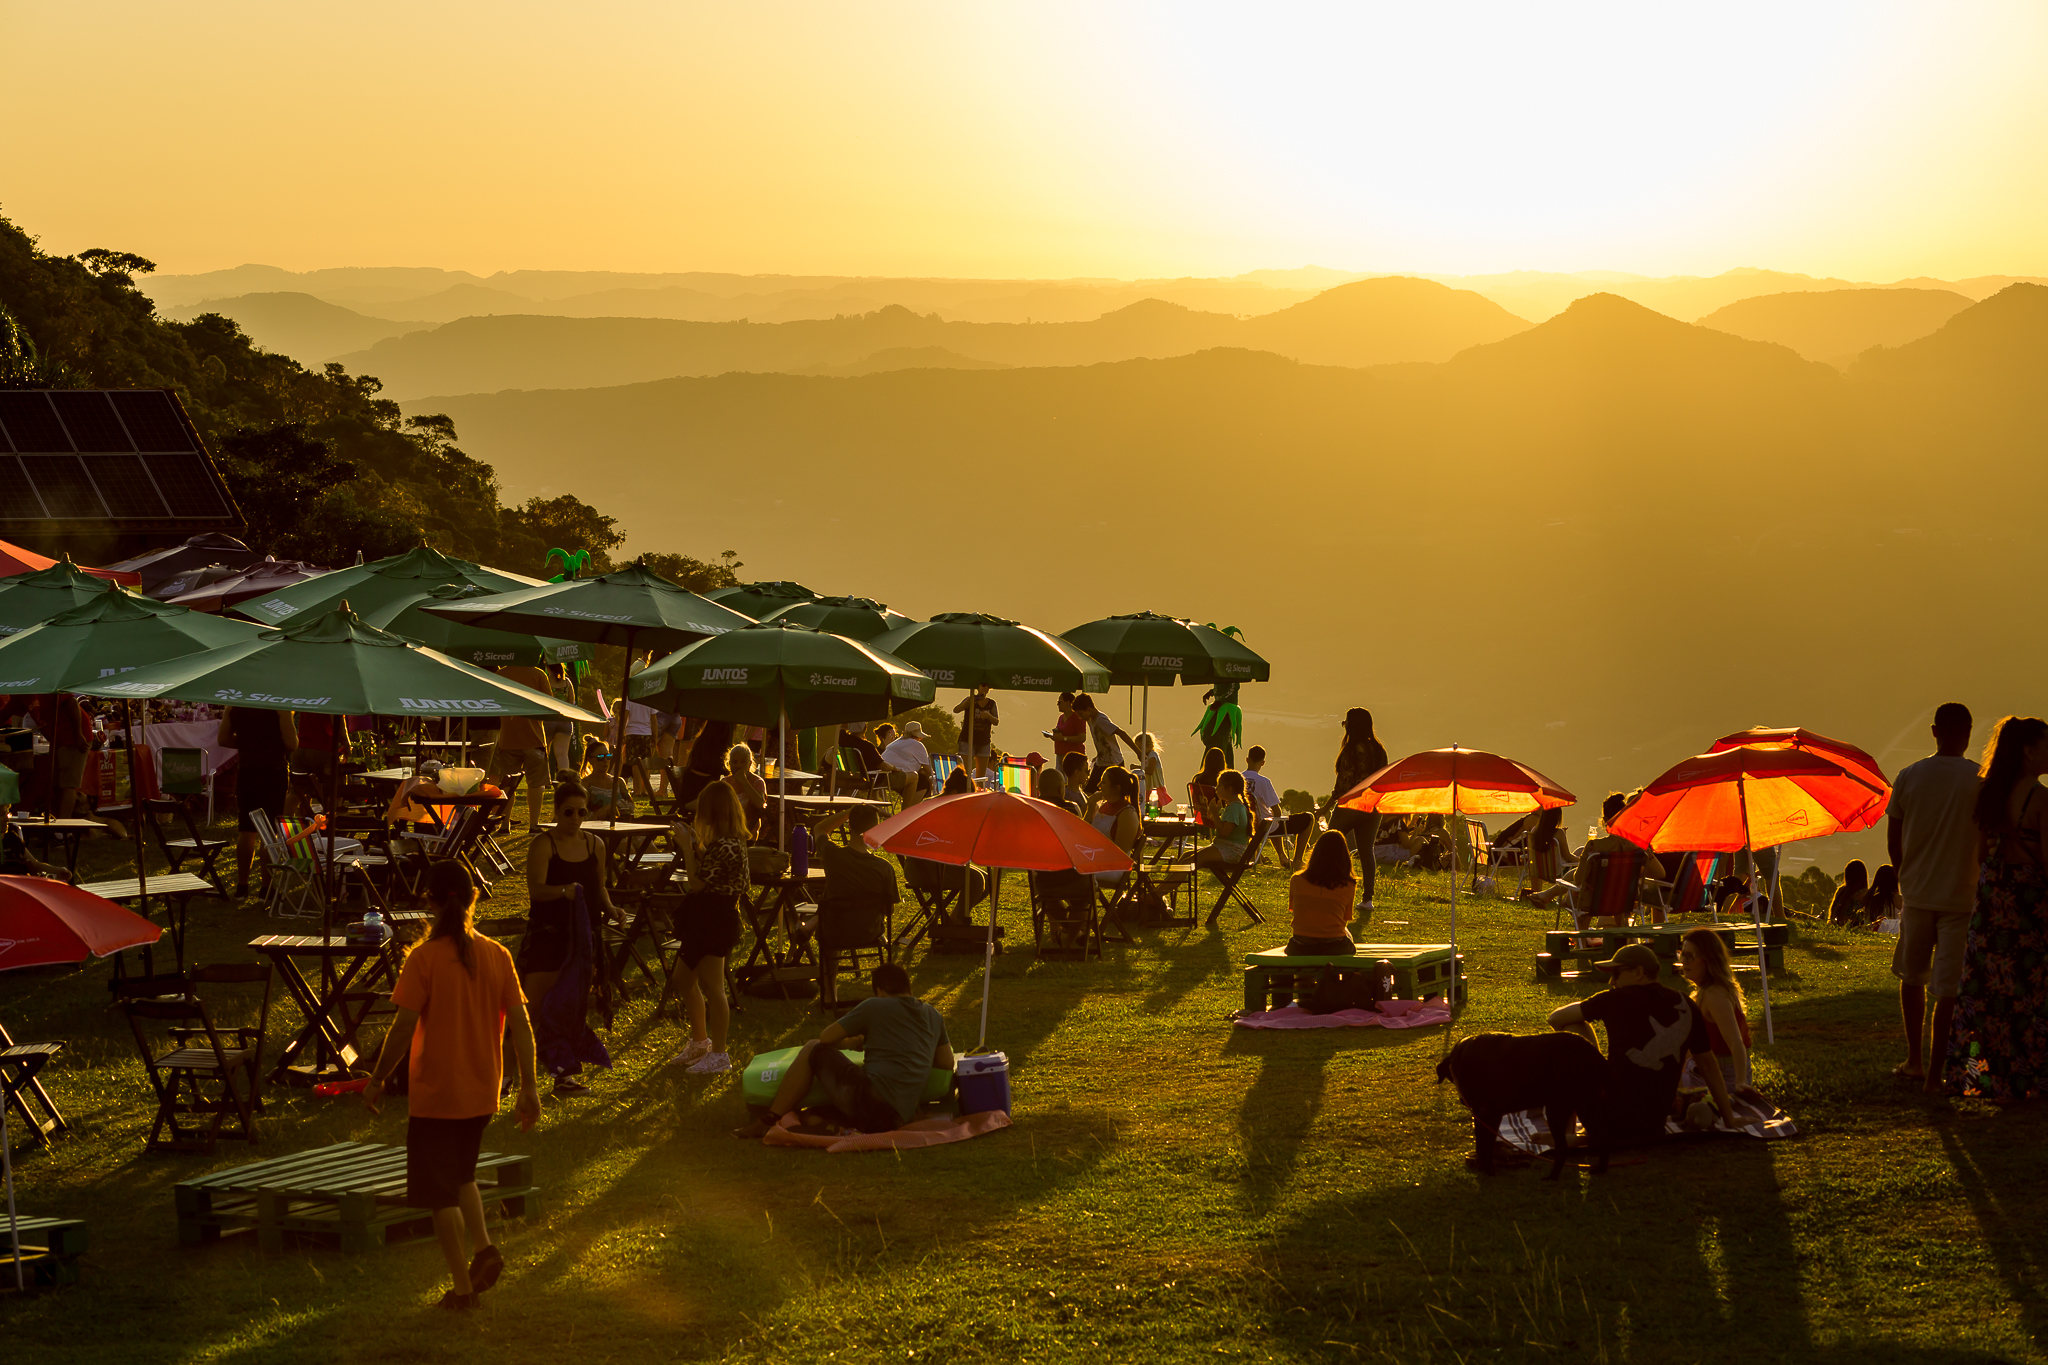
{"x": 800, "y": 852}
{"x": 1385, "y": 971}
{"x": 374, "y": 926}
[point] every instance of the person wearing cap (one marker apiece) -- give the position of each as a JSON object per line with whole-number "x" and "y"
{"x": 1651, "y": 1030}
{"x": 860, "y": 891}
{"x": 909, "y": 764}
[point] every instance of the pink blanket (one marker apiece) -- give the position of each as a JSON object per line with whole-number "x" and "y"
{"x": 917, "y": 1133}
{"x": 1391, "y": 1014}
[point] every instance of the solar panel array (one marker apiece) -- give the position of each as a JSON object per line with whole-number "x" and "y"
{"x": 122, "y": 455}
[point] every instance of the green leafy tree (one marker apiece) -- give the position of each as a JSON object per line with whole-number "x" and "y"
{"x": 696, "y": 574}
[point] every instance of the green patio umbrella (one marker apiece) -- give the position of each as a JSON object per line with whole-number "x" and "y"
{"x": 970, "y": 648}
{"x": 28, "y": 599}
{"x": 114, "y": 634}
{"x": 779, "y": 673}
{"x": 370, "y": 587}
{"x": 633, "y": 606}
{"x": 336, "y": 665}
{"x": 1145, "y": 649}
{"x": 471, "y": 644}
{"x": 857, "y": 618}
{"x": 761, "y": 600}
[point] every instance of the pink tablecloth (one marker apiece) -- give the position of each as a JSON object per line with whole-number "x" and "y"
{"x": 1391, "y": 1014}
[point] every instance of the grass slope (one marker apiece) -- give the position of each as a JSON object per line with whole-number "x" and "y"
{"x": 1172, "y": 1188}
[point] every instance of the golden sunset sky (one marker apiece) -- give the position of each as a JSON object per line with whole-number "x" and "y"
{"x": 1867, "y": 140}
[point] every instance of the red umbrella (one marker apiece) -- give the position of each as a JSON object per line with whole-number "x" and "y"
{"x": 15, "y": 560}
{"x": 44, "y": 921}
{"x": 1852, "y": 759}
{"x": 1749, "y": 798}
{"x": 1455, "y": 781}
{"x": 997, "y": 829}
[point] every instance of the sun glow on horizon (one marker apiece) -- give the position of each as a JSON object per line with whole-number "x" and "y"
{"x": 1867, "y": 141}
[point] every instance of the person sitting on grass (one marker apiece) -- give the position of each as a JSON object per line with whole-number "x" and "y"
{"x": 1232, "y": 820}
{"x": 1319, "y": 899}
{"x": 860, "y": 891}
{"x": 1884, "y": 897}
{"x": 1703, "y": 960}
{"x": 904, "y": 1040}
{"x": 15, "y": 859}
{"x": 1651, "y": 1030}
{"x": 1846, "y": 905}
{"x": 456, "y": 996}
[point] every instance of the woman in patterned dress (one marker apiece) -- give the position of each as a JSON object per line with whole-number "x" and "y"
{"x": 2000, "y": 1044}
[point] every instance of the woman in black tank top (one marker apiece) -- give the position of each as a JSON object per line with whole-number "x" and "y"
{"x": 553, "y": 872}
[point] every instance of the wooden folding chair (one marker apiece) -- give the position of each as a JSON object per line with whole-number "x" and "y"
{"x": 1229, "y": 877}
{"x": 177, "y": 848}
{"x": 1065, "y": 905}
{"x": 206, "y": 1070}
{"x": 21, "y": 1091}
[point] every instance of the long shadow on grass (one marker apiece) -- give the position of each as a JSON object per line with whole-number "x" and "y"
{"x": 1681, "y": 1243}
{"x": 1997, "y": 1160}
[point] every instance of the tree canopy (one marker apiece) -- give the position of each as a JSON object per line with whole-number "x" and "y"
{"x": 320, "y": 465}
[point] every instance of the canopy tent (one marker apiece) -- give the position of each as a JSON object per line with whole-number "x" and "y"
{"x": 761, "y": 600}
{"x": 633, "y": 606}
{"x": 484, "y": 648}
{"x": 1455, "y": 782}
{"x": 15, "y": 560}
{"x": 369, "y": 588}
{"x": 777, "y": 674}
{"x": 858, "y": 618}
{"x": 1144, "y": 648}
{"x": 971, "y": 649}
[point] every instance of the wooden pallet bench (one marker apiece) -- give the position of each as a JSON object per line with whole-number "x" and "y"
{"x": 50, "y": 1248}
{"x": 1599, "y": 943}
{"x": 1420, "y": 971}
{"x": 350, "y": 1195}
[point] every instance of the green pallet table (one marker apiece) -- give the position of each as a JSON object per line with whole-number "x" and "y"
{"x": 1420, "y": 971}
{"x": 1599, "y": 943}
{"x": 50, "y": 1248}
{"x": 351, "y": 1195}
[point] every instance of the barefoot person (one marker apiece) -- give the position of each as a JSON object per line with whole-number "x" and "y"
{"x": 455, "y": 996}
{"x": 904, "y": 1040}
{"x": 1932, "y": 840}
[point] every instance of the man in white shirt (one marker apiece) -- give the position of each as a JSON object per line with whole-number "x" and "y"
{"x": 908, "y": 761}
{"x": 1265, "y": 800}
{"x": 1931, "y": 839}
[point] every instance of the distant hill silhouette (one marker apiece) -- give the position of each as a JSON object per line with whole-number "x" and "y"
{"x": 909, "y": 358}
{"x": 1999, "y": 345}
{"x": 1378, "y": 321}
{"x": 1838, "y": 325}
{"x": 309, "y": 330}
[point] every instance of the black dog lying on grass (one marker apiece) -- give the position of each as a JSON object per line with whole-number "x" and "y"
{"x": 1562, "y": 1074}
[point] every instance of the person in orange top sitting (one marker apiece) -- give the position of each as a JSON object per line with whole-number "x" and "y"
{"x": 1320, "y": 897}
{"x": 456, "y": 993}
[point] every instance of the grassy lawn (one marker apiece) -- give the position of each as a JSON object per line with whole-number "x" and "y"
{"x": 1173, "y": 1188}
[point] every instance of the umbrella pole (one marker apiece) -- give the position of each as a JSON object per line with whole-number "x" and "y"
{"x": 619, "y": 749}
{"x": 988, "y": 951}
{"x": 1762, "y": 952}
{"x": 135, "y": 811}
{"x": 1450, "y": 991}
{"x": 781, "y": 766}
{"x": 13, "y": 1220}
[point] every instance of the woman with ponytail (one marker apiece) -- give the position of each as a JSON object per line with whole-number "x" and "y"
{"x": 1999, "y": 1047}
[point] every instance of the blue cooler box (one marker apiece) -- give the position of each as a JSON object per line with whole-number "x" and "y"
{"x": 984, "y": 1082}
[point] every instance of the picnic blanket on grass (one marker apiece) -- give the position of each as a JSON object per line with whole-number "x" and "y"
{"x": 931, "y": 1132}
{"x": 1754, "y": 1117}
{"x": 1391, "y": 1014}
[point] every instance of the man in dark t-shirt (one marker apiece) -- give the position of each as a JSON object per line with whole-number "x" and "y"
{"x": 1651, "y": 1030}
{"x": 904, "y": 1040}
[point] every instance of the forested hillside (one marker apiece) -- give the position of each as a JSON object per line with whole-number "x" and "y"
{"x": 321, "y": 465}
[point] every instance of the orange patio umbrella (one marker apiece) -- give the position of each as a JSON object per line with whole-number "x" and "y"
{"x": 1456, "y": 781}
{"x": 1751, "y": 797}
{"x": 1852, "y": 759}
